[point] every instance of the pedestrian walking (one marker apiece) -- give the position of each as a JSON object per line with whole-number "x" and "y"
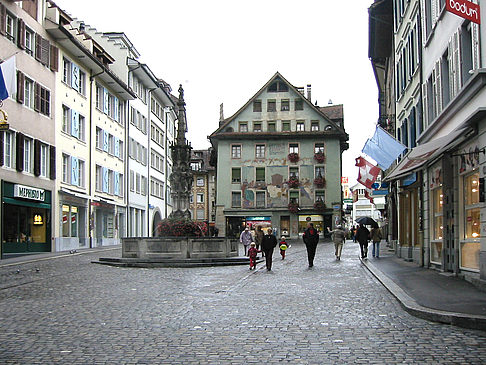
{"x": 259, "y": 237}
{"x": 311, "y": 238}
{"x": 376, "y": 237}
{"x": 362, "y": 236}
{"x": 246, "y": 239}
{"x": 253, "y": 253}
{"x": 338, "y": 237}
{"x": 354, "y": 230}
{"x": 283, "y": 247}
{"x": 268, "y": 244}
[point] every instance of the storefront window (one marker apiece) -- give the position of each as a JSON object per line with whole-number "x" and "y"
{"x": 438, "y": 226}
{"x": 65, "y": 221}
{"x": 472, "y": 229}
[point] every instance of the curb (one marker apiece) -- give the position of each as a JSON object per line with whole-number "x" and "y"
{"x": 471, "y": 321}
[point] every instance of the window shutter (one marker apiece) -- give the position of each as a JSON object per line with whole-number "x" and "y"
{"x": 105, "y": 141}
{"x": 475, "y": 45}
{"x": 116, "y": 109}
{"x": 3, "y": 19}
{"x": 52, "y": 162}
{"x": 116, "y": 183}
{"x": 37, "y": 157}
{"x": 74, "y": 123}
{"x": 38, "y": 47}
{"x": 20, "y": 87}
{"x": 19, "y": 157}
{"x": 75, "y": 76}
{"x": 105, "y": 184}
{"x": 37, "y": 90}
{"x": 426, "y": 103}
{"x": 46, "y": 47}
{"x": 105, "y": 101}
{"x": 117, "y": 147}
{"x": 54, "y": 62}
{"x": 21, "y": 34}
{"x": 2, "y": 147}
{"x": 74, "y": 171}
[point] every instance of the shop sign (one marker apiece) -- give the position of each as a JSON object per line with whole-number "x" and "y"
{"x": 258, "y": 218}
{"x": 26, "y": 192}
{"x": 465, "y": 9}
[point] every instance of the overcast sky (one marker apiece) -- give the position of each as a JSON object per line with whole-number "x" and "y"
{"x": 223, "y": 51}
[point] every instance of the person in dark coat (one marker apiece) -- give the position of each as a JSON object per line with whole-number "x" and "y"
{"x": 362, "y": 236}
{"x": 269, "y": 242}
{"x": 311, "y": 238}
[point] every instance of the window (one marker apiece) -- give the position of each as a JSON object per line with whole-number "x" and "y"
{"x": 65, "y": 168}
{"x": 28, "y": 151}
{"x": 299, "y": 104}
{"x": 278, "y": 86}
{"x": 199, "y": 198}
{"x": 44, "y": 160}
{"x": 294, "y": 148}
{"x": 199, "y": 181}
{"x": 45, "y": 101}
{"x": 156, "y": 188}
{"x": 236, "y": 151}
{"x": 285, "y": 126}
{"x": 257, "y": 106}
{"x": 260, "y": 151}
{"x": 294, "y": 197}
{"x": 132, "y": 180}
{"x": 111, "y": 146}
{"x": 200, "y": 214}
{"x": 314, "y": 125}
{"x": 82, "y": 124}
{"x": 472, "y": 210}
{"x": 243, "y": 127}
{"x": 236, "y": 175}
{"x": 10, "y": 27}
{"x": 157, "y": 135}
{"x": 271, "y": 106}
{"x": 300, "y": 126}
{"x": 196, "y": 166}
{"x": 285, "y": 105}
{"x": 29, "y": 93}
{"x": 143, "y": 188}
{"x": 438, "y": 229}
{"x": 137, "y": 183}
{"x": 271, "y": 126}
{"x": 257, "y": 126}
{"x": 294, "y": 172}
{"x": 319, "y": 148}
{"x": 157, "y": 161}
{"x": 260, "y": 174}
{"x": 81, "y": 173}
{"x": 236, "y": 199}
{"x": 320, "y": 196}
{"x": 8, "y": 149}
{"x": 319, "y": 171}
{"x": 260, "y": 199}
{"x": 29, "y": 41}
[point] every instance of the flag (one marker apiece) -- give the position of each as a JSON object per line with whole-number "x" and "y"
{"x": 8, "y": 81}
{"x": 368, "y": 194}
{"x": 383, "y": 148}
{"x": 367, "y": 172}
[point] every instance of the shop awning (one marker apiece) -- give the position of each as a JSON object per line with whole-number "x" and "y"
{"x": 423, "y": 153}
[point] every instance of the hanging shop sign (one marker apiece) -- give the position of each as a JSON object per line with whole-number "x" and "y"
{"x": 27, "y": 192}
{"x": 465, "y": 9}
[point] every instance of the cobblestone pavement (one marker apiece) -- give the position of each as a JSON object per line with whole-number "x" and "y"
{"x": 70, "y": 311}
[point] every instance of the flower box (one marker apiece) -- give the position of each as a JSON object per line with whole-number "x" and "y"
{"x": 319, "y": 205}
{"x": 319, "y": 157}
{"x": 320, "y": 182}
{"x": 293, "y": 157}
{"x": 293, "y": 207}
{"x": 293, "y": 182}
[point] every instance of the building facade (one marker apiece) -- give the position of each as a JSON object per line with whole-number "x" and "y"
{"x": 279, "y": 163}
{"x": 28, "y": 148}
{"x": 439, "y": 181}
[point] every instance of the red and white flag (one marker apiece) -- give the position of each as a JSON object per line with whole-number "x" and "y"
{"x": 367, "y": 172}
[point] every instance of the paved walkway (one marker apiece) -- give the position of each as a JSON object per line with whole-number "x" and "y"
{"x": 67, "y": 310}
{"x": 428, "y": 293}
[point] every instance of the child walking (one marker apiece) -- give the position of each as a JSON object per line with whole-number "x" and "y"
{"x": 253, "y": 252}
{"x": 283, "y": 247}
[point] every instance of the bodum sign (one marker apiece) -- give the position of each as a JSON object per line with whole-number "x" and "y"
{"x": 465, "y": 9}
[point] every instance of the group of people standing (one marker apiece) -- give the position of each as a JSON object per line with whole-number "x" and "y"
{"x": 362, "y": 235}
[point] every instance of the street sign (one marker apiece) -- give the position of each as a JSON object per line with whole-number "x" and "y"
{"x": 465, "y": 9}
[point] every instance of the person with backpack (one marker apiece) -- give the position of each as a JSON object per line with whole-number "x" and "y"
{"x": 311, "y": 238}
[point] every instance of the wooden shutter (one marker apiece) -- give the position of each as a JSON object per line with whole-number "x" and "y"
{"x": 2, "y": 147}
{"x": 37, "y": 88}
{"x": 52, "y": 162}
{"x": 38, "y": 47}
{"x": 475, "y": 46}
{"x": 20, "y": 87}
{"x": 3, "y": 19}
{"x": 19, "y": 149}
{"x": 37, "y": 157}
{"x": 45, "y": 48}
{"x": 54, "y": 62}
{"x": 21, "y": 34}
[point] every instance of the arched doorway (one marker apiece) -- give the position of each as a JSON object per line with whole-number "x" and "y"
{"x": 155, "y": 223}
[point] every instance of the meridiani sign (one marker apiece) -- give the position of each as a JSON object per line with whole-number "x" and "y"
{"x": 465, "y": 9}
{"x": 27, "y": 192}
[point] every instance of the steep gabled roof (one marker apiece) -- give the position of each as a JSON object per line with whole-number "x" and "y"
{"x": 278, "y": 76}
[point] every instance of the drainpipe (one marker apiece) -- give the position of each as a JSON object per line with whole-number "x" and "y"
{"x": 150, "y": 232}
{"x": 90, "y": 212}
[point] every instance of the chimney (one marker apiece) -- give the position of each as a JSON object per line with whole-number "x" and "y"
{"x": 309, "y": 92}
{"x": 221, "y": 115}
{"x": 301, "y": 90}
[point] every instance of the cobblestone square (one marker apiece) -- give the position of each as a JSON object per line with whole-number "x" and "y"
{"x": 70, "y": 311}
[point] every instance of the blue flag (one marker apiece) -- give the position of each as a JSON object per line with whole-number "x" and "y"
{"x": 8, "y": 81}
{"x": 383, "y": 148}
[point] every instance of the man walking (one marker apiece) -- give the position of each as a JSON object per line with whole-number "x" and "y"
{"x": 339, "y": 236}
{"x": 246, "y": 238}
{"x": 311, "y": 238}
{"x": 269, "y": 242}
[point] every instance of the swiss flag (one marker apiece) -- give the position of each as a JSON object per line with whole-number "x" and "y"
{"x": 367, "y": 172}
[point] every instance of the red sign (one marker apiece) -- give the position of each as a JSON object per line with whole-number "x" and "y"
{"x": 465, "y": 9}
{"x": 344, "y": 179}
